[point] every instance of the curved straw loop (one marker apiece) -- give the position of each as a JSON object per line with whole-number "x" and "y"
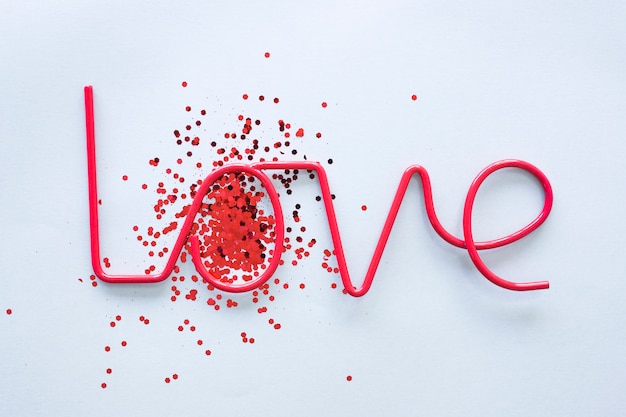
{"x": 279, "y": 229}
{"x": 529, "y": 228}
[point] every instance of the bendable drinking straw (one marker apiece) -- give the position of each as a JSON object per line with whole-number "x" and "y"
{"x": 256, "y": 170}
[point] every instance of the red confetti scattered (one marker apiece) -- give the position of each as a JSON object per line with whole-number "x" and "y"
{"x": 109, "y": 370}
{"x": 363, "y": 207}
{"x": 267, "y": 55}
{"x": 235, "y": 232}
{"x": 349, "y": 378}
{"x": 9, "y": 311}
{"x": 413, "y": 97}
{"x": 103, "y": 385}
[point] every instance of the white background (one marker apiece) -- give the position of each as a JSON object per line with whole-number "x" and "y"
{"x": 539, "y": 81}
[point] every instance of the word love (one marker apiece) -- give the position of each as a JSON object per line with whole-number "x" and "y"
{"x": 187, "y": 238}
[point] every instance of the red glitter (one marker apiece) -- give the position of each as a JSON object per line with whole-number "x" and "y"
{"x": 324, "y": 104}
{"x": 9, "y": 311}
{"x": 184, "y": 84}
{"x": 231, "y": 216}
{"x": 236, "y": 229}
{"x": 363, "y": 207}
{"x": 109, "y": 370}
{"x": 413, "y": 97}
{"x": 124, "y": 177}
{"x": 267, "y": 55}
{"x": 349, "y": 378}
{"x": 104, "y": 385}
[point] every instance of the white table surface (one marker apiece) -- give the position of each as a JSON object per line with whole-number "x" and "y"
{"x": 539, "y": 81}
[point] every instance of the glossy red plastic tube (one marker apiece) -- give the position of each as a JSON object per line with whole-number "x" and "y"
{"x": 256, "y": 170}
